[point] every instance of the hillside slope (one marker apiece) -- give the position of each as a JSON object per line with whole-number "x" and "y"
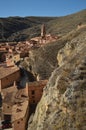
{"x": 15, "y": 25}
{"x": 62, "y": 106}
{"x": 63, "y": 25}
{"x": 19, "y": 29}
{"x": 44, "y": 59}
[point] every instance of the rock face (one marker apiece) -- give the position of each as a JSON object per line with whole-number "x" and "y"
{"x": 43, "y": 60}
{"x": 62, "y": 106}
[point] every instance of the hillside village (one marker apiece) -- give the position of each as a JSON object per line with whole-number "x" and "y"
{"x": 12, "y": 53}
{"x": 19, "y": 96}
{"x": 20, "y": 90}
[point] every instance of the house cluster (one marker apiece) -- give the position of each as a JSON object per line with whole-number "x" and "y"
{"x": 11, "y": 53}
{"x": 44, "y": 38}
{"x": 17, "y": 102}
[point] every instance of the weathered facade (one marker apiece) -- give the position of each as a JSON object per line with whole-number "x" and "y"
{"x": 11, "y": 59}
{"x": 16, "y": 109}
{"x": 20, "y": 116}
{"x": 35, "y": 90}
{"x": 8, "y": 76}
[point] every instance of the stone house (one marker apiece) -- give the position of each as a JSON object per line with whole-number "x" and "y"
{"x": 8, "y": 76}
{"x": 35, "y": 91}
{"x": 3, "y": 55}
{"x": 11, "y": 59}
{"x": 16, "y": 108}
{"x": 16, "y": 57}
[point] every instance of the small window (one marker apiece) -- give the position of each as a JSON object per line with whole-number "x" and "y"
{"x": 10, "y": 57}
{"x": 18, "y": 122}
{"x": 14, "y": 61}
{"x": 7, "y": 117}
{"x": 8, "y": 107}
{"x": 21, "y": 119}
{"x": 33, "y": 96}
{"x": 33, "y": 101}
{"x": 33, "y": 92}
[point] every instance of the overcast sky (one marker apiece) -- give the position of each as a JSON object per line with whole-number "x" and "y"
{"x": 40, "y": 7}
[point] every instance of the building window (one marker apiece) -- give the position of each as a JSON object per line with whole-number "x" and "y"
{"x": 33, "y": 96}
{"x": 7, "y": 117}
{"x": 10, "y": 56}
{"x": 33, "y": 92}
{"x": 7, "y": 106}
{"x": 18, "y": 122}
{"x": 33, "y": 101}
{"x": 21, "y": 119}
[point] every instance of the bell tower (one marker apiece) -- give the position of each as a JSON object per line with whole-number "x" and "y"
{"x": 43, "y": 31}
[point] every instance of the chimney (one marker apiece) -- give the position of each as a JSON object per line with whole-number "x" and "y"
{"x": 26, "y": 91}
{"x": 14, "y": 84}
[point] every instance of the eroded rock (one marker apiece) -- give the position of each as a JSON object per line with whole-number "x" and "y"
{"x": 62, "y": 106}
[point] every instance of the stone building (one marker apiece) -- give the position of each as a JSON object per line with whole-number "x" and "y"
{"x": 8, "y": 76}
{"x": 43, "y": 31}
{"x": 35, "y": 90}
{"x": 16, "y": 108}
{"x": 11, "y": 59}
{"x": 3, "y": 53}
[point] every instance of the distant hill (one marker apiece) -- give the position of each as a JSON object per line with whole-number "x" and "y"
{"x": 19, "y": 29}
{"x": 63, "y": 25}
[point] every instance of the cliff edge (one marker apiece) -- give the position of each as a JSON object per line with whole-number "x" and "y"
{"x": 62, "y": 106}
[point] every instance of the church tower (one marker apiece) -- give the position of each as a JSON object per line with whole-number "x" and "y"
{"x": 43, "y": 31}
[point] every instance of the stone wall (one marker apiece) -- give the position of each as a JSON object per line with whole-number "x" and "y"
{"x": 7, "y": 109}
{"x": 35, "y": 90}
{"x": 19, "y": 124}
{"x": 9, "y": 80}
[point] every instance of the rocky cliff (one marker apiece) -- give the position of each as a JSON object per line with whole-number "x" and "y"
{"x": 44, "y": 59}
{"x": 62, "y": 106}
